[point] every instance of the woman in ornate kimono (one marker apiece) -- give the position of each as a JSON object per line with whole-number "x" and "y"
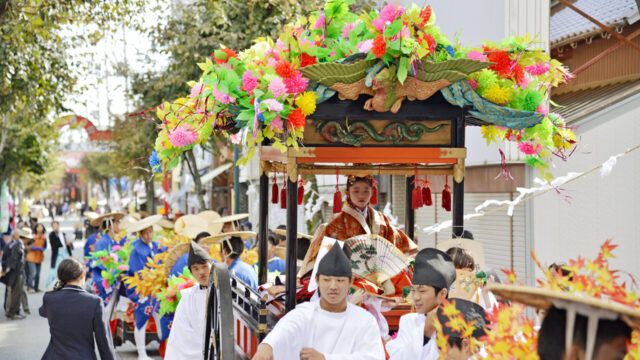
{"x": 358, "y": 218}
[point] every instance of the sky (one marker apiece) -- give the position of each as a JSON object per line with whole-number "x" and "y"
{"x": 105, "y": 91}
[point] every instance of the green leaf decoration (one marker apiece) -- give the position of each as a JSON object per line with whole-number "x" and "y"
{"x": 451, "y": 75}
{"x": 393, "y": 29}
{"x": 403, "y": 69}
{"x": 466, "y": 66}
{"x": 328, "y": 74}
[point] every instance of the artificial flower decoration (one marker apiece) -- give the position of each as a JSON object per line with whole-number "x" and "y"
{"x": 239, "y": 93}
{"x": 114, "y": 260}
{"x": 183, "y": 136}
{"x": 151, "y": 279}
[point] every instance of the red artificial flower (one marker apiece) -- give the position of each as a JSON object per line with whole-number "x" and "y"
{"x": 306, "y": 60}
{"x": 230, "y": 53}
{"x": 284, "y": 69}
{"x": 379, "y": 46}
{"x": 425, "y": 15}
{"x": 297, "y": 119}
{"x": 518, "y": 74}
{"x": 502, "y": 62}
{"x": 431, "y": 41}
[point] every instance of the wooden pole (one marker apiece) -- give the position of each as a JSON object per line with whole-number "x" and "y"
{"x": 409, "y": 213}
{"x": 263, "y": 227}
{"x": 458, "y": 188}
{"x": 292, "y": 237}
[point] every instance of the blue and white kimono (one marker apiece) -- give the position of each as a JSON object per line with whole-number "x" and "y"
{"x": 105, "y": 243}
{"x": 140, "y": 254}
{"x": 244, "y": 272}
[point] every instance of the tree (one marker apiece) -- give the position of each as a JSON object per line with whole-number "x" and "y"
{"x": 132, "y": 142}
{"x": 37, "y": 71}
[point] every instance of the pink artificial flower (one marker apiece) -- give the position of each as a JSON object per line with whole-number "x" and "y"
{"x": 196, "y": 90}
{"x": 538, "y": 69}
{"x": 114, "y": 257}
{"x": 249, "y": 82}
{"x": 543, "y": 109}
{"x": 280, "y": 45}
{"x": 473, "y": 84}
{"x": 235, "y": 138}
{"x": 320, "y": 22}
{"x": 276, "y": 123}
{"x": 296, "y": 84}
{"x": 346, "y": 29}
{"x": 222, "y": 97}
{"x": 476, "y": 55}
{"x": 333, "y": 53}
{"x": 123, "y": 267}
{"x": 528, "y": 149}
{"x": 405, "y": 33}
{"x": 105, "y": 284}
{"x": 391, "y": 12}
{"x": 276, "y": 86}
{"x": 116, "y": 248}
{"x": 526, "y": 79}
{"x": 379, "y": 24}
{"x": 273, "y": 105}
{"x": 182, "y": 136}
{"x": 271, "y": 62}
{"x": 365, "y": 46}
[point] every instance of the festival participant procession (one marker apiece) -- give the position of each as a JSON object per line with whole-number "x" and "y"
{"x": 334, "y": 180}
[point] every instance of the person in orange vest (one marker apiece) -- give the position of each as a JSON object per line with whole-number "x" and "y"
{"x": 35, "y": 256}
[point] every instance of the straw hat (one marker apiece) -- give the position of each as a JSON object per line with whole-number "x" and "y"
{"x": 230, "y": 218}
{"x": 281, "y": 252}
{"x": 166, "y": 223}
{"x": 174, "y": 254}
{"x": 215, "y": 239}
{"x": 473, "y": 247}
{"x": 542, "y": 298}
{"x": 91, "y": 215}
{"x": 190, "y": 225}
{"x": 143, "y": 224}
{"x": 283, "y": 232}
{"x": 209, "y": 215}
{"x": 115, "y": 216}
{"x": 26, "y": 233}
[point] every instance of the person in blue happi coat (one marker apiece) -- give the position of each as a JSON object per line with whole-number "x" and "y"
{"x": 110, "y": 226}
{"x": 143, "y": 250}
{"x": 232, "y": 248}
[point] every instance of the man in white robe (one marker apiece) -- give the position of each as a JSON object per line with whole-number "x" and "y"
{"x": 186, "y": 340}
{"x": 331, "y": 328}
{"x": 433, "y": 275}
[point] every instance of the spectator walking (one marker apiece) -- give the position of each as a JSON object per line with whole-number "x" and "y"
{"x": 13, "y": 273}
{"x": 35, "y": 256}
{"x": 75, "y": 317}
{"x": 6, "y": 239}
{"x": 57, "y": 241}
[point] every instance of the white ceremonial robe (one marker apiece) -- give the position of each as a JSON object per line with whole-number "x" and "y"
{"x": 352, "y": 334}
{"x": 186, "y": 339}
{"x": 408, "y": 345}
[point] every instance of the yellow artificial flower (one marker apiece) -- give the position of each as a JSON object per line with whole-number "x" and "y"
{"x": 307, "y": 103}
{"x": 498, "y": 94}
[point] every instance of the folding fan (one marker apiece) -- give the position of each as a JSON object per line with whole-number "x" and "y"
{"x": 375, "y": 258}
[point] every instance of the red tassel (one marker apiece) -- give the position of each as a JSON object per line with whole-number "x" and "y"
{"x": 446, "y": 199}
{"x": 283, "y": 198}
{"x": 446, "y": 195}
{"x": 337, "y": 202}
{"x": 274, "y": 193}
{"x": 374, "y": 195}
{"x": 300, "y": 194}
{"x": 426, "y": 196}
{"x": 414, "y": 199}
{"x": 419, "y": 201}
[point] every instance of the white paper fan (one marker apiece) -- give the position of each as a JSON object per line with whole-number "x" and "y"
{"x": 375, "y": 258}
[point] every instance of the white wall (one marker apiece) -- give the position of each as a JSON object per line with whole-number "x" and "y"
{"x": 602, "y": 207}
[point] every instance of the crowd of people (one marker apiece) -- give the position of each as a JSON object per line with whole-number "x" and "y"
{"x": 455, "y": 305}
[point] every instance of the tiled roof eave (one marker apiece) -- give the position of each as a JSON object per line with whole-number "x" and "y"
{"x": 583, "y": 36}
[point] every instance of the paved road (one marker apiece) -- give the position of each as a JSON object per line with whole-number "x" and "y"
{"x": 27, "y": 339}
